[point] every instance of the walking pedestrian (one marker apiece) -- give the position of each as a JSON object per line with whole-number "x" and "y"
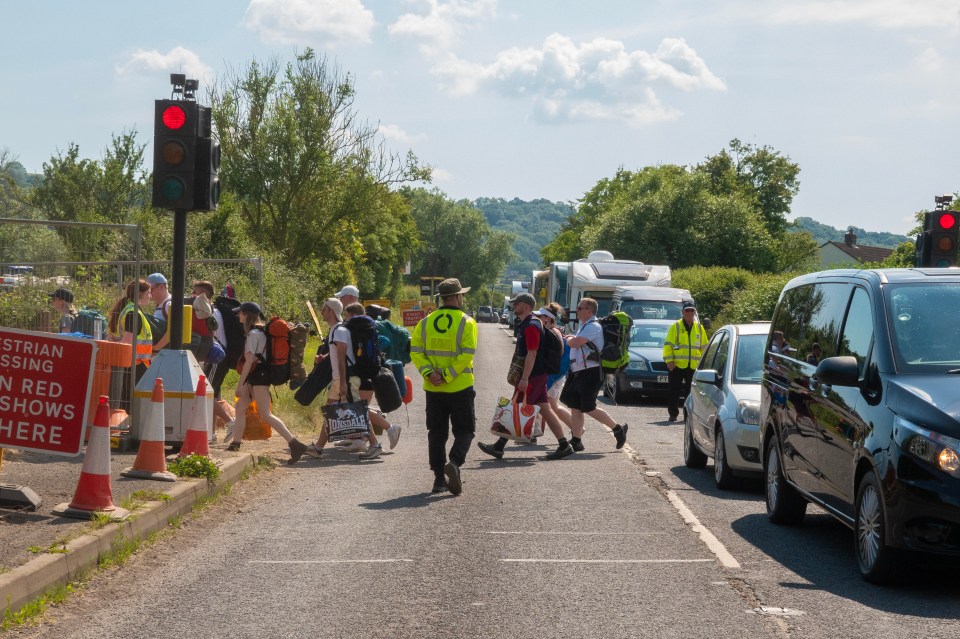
{"x": 253, "y": 384}
{"x": 533, "y": 379}
{"x": 62, "y": 301}
{"x": 442, "y": 348}
{"x": 585, "y": 378}
{"x": 682, "y": 349}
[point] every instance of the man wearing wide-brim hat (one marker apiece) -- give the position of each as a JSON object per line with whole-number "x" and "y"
{"x": 447, "y": 370}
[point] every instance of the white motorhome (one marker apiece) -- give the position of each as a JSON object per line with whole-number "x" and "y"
{"x": 650, "y": 302}
{"x": 598, "y": 276}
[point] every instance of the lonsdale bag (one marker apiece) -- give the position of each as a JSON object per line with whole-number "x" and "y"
{"x": 615, "y": 354}
{"x": 346, "y": 420}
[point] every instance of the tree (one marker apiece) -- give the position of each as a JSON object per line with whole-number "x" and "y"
{"x": 311, "y": 181}
{"x": 456, "y": 240}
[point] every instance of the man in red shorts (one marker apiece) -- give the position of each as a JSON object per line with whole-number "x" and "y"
{"x": 533, "y": 380}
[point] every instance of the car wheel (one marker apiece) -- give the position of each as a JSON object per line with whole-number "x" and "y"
{"x": 692, "y": 456}
{"x": 722, "y": 474}
{"x": 784, "y": 504}
{"x": 616, "y": 394}
{"x": 875, "y": 559}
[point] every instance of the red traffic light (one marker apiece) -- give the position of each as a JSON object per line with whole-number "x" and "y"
{"x": 947, "y": 220}
{"x": 174, "y": 117}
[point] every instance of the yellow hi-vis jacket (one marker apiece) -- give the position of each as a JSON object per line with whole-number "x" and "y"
{"x": 144, "y": 338}
{"x": 445, "y": 341}
{"x": 683, "y": 347}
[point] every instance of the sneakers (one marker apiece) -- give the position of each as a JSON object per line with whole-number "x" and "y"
{"x": 560, "y": 453}
{"x": 672, "y": 417}
{"x": 297, "y": 449}
{"x": 452, "y": 471}
{"x": 234, "y": 447}
{"x": 439, "y": 485}
{"x": 372, "y": 452}
{"x": 229, "y": 434}
{"x": 621, "y": 435}
{"x": 313, "y": 451}
{"x": 393, "y": 433}
{"x": 577, "y": 445}
{"x": 490, "y": 450}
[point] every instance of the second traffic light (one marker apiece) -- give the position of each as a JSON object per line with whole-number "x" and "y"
{"x": 206, "y": 186}
{"x": 174, "y": 154}
{"x": 942, "y": 239}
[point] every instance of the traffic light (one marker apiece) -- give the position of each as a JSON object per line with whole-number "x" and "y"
{"x": 944, "y": 227}
{"x": 923, "y": 243}
{"x": 206, "y": 186}
{"x": 174, "y": 154}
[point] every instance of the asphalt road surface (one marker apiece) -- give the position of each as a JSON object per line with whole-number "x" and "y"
{"x": 602, "y": 544}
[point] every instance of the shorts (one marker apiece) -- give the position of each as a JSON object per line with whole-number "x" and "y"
{"x": 354, "y": 390}
{"x": 537, "y": 390}
{"x": 581, "y": 389}
{"x": 554, "y": 391}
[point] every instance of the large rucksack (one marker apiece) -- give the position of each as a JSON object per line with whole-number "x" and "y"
{"x": 232, "y": 329}
{"x": 551, "y": 351}
{"x": 298, "y": 343}
{"x": 91, "y": 323}
{"x": 615, "y": 354}
{"x": 276, "y": 356}
{"x": 366, "y": 352}
{"x": 399, "y": 340}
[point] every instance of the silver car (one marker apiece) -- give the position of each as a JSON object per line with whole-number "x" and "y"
{"x": 722, "y": 411}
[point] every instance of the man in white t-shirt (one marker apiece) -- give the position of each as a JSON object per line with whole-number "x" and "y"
{"x": 586, "y": 377}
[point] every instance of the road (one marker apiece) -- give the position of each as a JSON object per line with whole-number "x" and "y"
{"x": 595, "y": 545}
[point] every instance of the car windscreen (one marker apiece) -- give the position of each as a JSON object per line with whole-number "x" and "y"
{"x": 925, "y": 334}
{"x": 748, "y": 360}
{"x": 648, "y": 336}
{"x": 660, "y": 310}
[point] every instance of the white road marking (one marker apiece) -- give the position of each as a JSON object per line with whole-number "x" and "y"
{"x": 536, "y": 532}
{"x": 707, "y": 537}
{"x": 329, "y": 561}
{"x": 607, "y": 561}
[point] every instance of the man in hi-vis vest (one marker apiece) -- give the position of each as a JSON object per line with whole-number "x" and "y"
{"x": 442, "y": 348}
{"x": 682, "y": 349}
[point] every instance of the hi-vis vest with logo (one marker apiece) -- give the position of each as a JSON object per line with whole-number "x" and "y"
{"x": 445, "y": 341}
{"x": 144, "y": 339}
{"x": 682, "y": 347}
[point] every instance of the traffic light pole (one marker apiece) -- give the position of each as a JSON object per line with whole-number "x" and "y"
{"x": 179, "y": 273}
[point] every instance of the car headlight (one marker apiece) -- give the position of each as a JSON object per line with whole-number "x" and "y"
{"x": 637, "y": 365}
{"x": 748, "y": 412}
{"x": 934, "y": 448}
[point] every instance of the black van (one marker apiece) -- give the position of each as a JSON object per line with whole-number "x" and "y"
{"x": 860, "y": 409}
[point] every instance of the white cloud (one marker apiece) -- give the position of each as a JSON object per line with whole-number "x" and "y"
{"x": 888, "y": 14}
{"x": 929, "y": 60}
{"x": 598, "y": 79}
{"x": 444, "y": 21}
{"x": 307, "y": 21}
{"x": 177, "y": 60}
{"x": 394, "y": 132}
{"x": 441, "y": 175}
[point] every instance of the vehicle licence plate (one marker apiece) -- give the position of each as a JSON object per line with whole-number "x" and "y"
{"x": 663, "y": 379}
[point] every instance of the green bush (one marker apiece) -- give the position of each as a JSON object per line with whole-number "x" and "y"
{"x": 712, "y": 287}
{"x": 755, "y": 303}
{"x": 195, "y": 466}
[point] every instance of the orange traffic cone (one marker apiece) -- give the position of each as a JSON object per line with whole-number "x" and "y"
{"x": 196, "y": 441}
{"x": 150, "y": 462}
{"x": 93, "y": 490}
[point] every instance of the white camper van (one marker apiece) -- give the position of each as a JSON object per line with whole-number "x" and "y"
{"x": 598, "y": 276}
{"x": 650, "y": 302}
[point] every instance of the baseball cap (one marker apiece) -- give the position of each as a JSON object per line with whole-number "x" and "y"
{"x": 526, "y": 298}
{"x": 689, "y": 304}
{"x": 336, "y": 306}
{"x": 156, "y": 278}
{"x": 250, "y": 307}
{"x": 349, "y": 289}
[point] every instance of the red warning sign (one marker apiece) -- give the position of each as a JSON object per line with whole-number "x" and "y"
{"x": 44, "y": 384}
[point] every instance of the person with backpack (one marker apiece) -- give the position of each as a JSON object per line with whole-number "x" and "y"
{"x": 550, "y": 316}
{"x": 161, "y": 296}
{"x": 62, "y": 301}
{"x": 254, "y": 384}
{"x": 347, "y": 383}
{"x": 585, "y": 378}
{"x": 682, "y": 349}
{"x": 532, "y": 387}
{"x": 132, "y": 328}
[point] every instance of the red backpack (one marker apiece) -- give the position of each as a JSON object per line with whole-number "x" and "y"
{"x": 276, "y": 357}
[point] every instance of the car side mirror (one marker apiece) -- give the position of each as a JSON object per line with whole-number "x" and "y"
{"x": 706, "y": 376}
{"x": 838, "y": 371}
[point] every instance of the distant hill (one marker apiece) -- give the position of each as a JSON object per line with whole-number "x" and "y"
{"x": 534, "y": 223}
{"x": 823, "y": 233}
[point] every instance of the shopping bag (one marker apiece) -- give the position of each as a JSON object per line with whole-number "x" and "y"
{"x": 517, "y": 420}
{"x": 346, "y": 420}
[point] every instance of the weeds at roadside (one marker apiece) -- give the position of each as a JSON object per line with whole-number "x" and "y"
{"x": 195, "y": 466}
{"x": 99, "y": 519}
{"x": 120, "y": 551}
{"x": 152, "y": 495}
{"x": 57, "y": 547}
{"x": 33, "y": 611}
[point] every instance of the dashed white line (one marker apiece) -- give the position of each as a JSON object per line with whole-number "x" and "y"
{"x": 607, "y": 561}
{"x": 707, "y": 537}
{"x": 329, "y": 561}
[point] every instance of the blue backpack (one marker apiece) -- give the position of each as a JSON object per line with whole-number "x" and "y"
{"x": 399, "y": 340}
{"x": 366, "y": 350}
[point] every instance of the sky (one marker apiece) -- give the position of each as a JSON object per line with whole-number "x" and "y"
{"x": 538, "y": 98}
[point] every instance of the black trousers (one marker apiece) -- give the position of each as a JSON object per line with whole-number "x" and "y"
{"x": 448, "y": 412}
{"x": 678, "y": 384}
